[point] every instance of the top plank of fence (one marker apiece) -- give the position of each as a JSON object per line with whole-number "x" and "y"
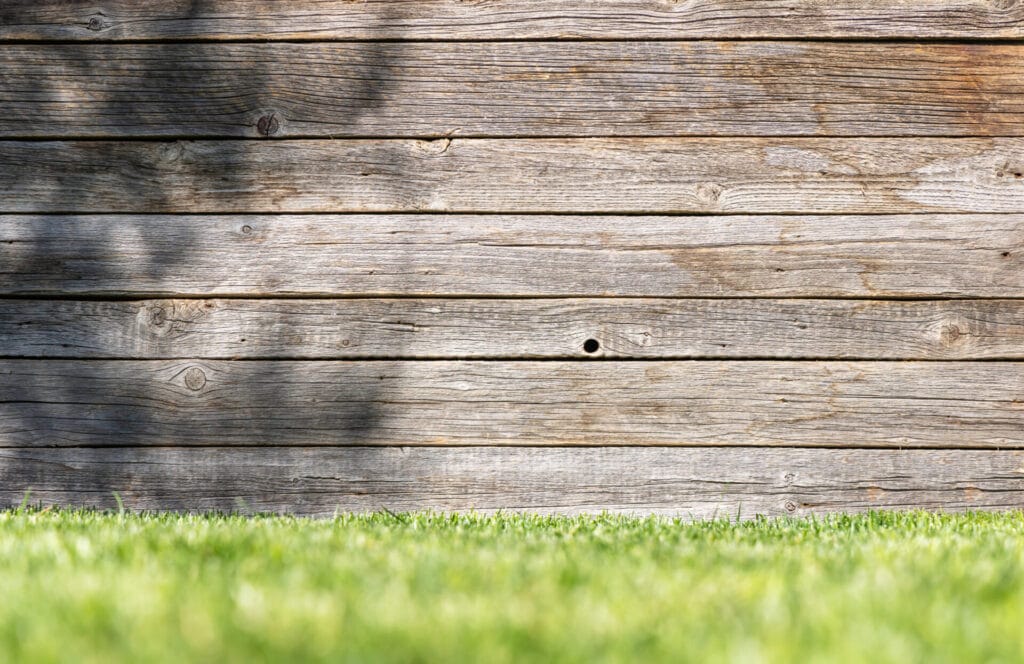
{"x": 510, "y": 19}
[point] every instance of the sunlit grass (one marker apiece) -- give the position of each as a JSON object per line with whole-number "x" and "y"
{"x": 100, "y": 587}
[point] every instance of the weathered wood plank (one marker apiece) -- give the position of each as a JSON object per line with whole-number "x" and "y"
{"x": 694, "y": 483}
{"x": 687, "y": 256}
{"x": 707, "y": 175}
{"x": 511, "y": 89}
{"x": 795, "y": 403}
{"x": 550, "y": 328}
{"x": 508, "y": 19}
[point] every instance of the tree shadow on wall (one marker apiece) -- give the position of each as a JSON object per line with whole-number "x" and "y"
{"x": 49, "y": 228}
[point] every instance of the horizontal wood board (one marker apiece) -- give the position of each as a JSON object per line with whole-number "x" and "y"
{"x": 514, "y": 255}
{"x": 437, "y": 328}
{"x": 511, "y": 89}
{"x": 603, "y": 175}
{"x": 693, "y": 483}
{"x": 509, "y": 19}
{"x": 771, "y": 403}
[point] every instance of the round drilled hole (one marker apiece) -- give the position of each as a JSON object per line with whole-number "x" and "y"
{"x": 591, "y": 346}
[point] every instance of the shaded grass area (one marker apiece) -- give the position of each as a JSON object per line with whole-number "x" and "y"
{"x": 100, "y": 587}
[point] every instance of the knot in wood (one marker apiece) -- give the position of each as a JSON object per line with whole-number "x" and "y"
{"x": 195, "y": 379}
{"x": 437, "y": 146}
{"x": 96, "y": 23}
{"x": 790, "y": 506}
{"x": 172, "y": 153}
{"x": 951, "y": 334}
{"x": 709, "y": 192}
{"x": 268, "y": 125}
{"x": 157, "y": 316}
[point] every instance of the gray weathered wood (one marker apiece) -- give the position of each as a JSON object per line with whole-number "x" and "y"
{"x": 707, "y": 175}
{"x": 511, "y": 89}
{"x": 694, "y": 483}
{"x": 508, "y": 19}
{"x": 551, "y": 328}
{"x": 703, "y": 256}
{"x": 358, "y": 401}
{"x": 783, "y": 403}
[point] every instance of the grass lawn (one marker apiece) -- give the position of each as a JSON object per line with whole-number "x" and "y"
{"x": 96, "y": 587}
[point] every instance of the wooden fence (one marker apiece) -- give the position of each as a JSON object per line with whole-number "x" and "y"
{"x": 701, "y": 257}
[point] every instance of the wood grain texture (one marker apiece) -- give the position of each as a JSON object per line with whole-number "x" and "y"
{"x": 508, "y": 19}
{"x": 597, "y": 255}
{"x": 772, "y": 403}
{"x": 550, "y": 328}
{"x": 511, "y": 89}
{"x": 738, "y": 175}
{"x": 421, "y": 374}
{"x": 693, "y": 483}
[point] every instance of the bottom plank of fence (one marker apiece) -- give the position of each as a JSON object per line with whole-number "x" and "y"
{"x": 700, "y": 482}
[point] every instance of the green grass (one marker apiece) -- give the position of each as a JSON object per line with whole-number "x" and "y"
{"x": 96, "y": 587}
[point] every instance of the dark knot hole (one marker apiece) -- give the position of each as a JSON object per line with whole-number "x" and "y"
{"x": 591, "y": 346}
